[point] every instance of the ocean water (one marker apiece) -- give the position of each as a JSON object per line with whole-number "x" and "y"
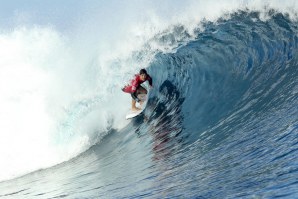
{"x": 221, "y": 120}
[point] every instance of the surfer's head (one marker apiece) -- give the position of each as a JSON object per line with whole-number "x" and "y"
{"x": 143, "y": 74}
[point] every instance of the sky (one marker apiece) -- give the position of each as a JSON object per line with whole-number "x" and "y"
{"x": 66, "y": 14}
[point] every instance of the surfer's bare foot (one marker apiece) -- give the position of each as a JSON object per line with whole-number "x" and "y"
{"x": 136, "y": 109}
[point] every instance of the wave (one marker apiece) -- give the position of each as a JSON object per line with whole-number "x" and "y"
{"x": 217, "y": 74}
{"x": 234, "y": 70}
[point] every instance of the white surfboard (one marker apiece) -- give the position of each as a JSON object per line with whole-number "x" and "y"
{"x": 132, "y": 114}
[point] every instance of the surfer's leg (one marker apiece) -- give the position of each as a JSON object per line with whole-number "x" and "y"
{"x": 134, "y": 96}
{"x": 141, "y": 90}
{"x": 133, "y": 102}
{"x": 133, "y": 105}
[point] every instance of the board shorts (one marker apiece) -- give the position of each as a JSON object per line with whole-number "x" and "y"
{"x": 127, "y": 89}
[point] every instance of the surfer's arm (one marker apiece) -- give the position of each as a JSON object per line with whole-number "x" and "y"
{"x": 149, "y": 80}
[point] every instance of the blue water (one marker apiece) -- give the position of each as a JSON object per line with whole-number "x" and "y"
{"x": 221, "y": 122}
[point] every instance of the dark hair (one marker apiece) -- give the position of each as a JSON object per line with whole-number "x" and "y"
{"x": 143, "y": 71}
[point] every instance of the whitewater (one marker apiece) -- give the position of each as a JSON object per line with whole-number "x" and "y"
{"x": 221, "y": 120}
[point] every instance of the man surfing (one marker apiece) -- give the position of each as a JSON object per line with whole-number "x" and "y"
{"x": 135, "y": 88}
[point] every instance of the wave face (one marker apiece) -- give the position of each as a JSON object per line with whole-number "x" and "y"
{"x": 221, "y": 121}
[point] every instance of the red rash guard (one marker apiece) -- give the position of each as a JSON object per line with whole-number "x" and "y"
{"x": 135, "y": 83}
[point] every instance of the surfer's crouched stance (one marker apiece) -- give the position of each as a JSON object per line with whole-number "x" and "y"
{"x": 135, "y": 88}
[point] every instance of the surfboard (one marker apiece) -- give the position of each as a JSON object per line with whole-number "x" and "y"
{"x": 132, "y": 114}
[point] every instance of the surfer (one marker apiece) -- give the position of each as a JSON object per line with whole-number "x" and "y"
{"x": 135, "y": 88}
